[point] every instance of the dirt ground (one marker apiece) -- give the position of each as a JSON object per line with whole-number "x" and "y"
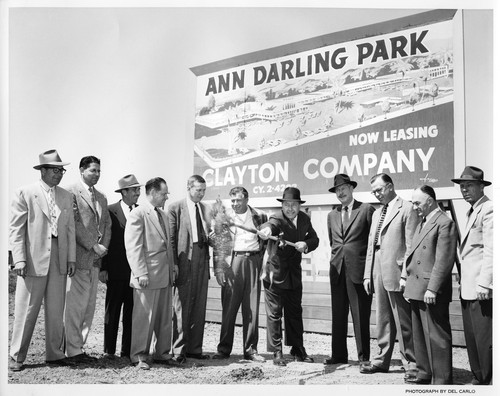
{"x": 232, "y": 371}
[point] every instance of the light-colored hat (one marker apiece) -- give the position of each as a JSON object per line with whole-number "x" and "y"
{"x": 471, "y": 173}
{"x": 128, "y": 181}
{"x": 50, "y": 158}
{"x": 291, "y": 194}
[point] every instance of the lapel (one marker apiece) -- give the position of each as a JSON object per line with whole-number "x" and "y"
{"x": 42, "y": 201}
{"x": 395, "y": 210}
{"x": 85, "y": 196}
{"x": 473, "y": 217}
{"x": 186, "y": 220}
{"x": 419, "y": 236}
{"x": 118, "y": 212}
{"x": 354, "y": 214}
{"x": 153, "y": 216}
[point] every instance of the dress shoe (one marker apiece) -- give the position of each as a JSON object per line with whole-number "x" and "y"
{"x": 410, "y": 375}
{"x": 372, "y": 369}
{"x": 199, "y": 356}
{"x": 15, "y": 366}
{"x": 418, "y": 381}
{"x": 179, "y": 359}
{"x": 220, "y": 356}
{"x": 60, "y": 362}
{"x": 82, "y": 358}
{"x": 142, "y": 365}
{"x": 109, "y": 356}
{"x": 333, "y": 360}
{"x": 278, "y": 359}
{"x": 301, "y": 355}
{"x": 165, "y": 362}
{"x": 254, "y": 357}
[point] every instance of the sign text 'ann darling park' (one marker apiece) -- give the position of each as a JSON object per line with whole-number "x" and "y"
{"x": 369, "y": 163}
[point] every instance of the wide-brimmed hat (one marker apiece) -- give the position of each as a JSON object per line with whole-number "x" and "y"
{"x": 291, "y": 194}
{"x": 50, "y": 158}
{"x": 472, "y": 173}
{"x": 128, "y": 181}
{"x": 341, "y": 179}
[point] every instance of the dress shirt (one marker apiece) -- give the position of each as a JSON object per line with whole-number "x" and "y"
{"x": 390, "y": 206}
{"x": 244, "y": 241}
{"x": 349, "y": 208}
{"x": 126, "y": 209}
{"x": 192, "y": 217}
{"x": 46, "y": 189}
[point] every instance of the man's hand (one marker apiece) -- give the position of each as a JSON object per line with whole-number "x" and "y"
{"x": 264, "y": 233}
{"x": 100, "y": 250}
{"x": 483, "y": 293}
{"x": 301, "y": 246}
{"x": 103, "y": 276}
{"x": 143, "y": 281}
{"x": 221, "y": 278}
{"x": 20, "y": 269}
{"x": 71, "y": 268}
{"x": 368, "y": 287}
{"x": 430, "y": 297}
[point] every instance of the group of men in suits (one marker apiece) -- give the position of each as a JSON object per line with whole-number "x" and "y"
{"x": 155, "y": 264}
{"x": 403, "y": 253}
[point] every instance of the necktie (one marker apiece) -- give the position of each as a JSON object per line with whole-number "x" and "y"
{"x": 162, "y": 223}
{"x": 422, "y": 224}
{"x": 199, "y": 227}
{"x": 52, "y": 212}
{"x": 345, "y": 218}
{"x": 130, "y": 207}
{"x": 381, "y": 221}
{"x": 92, "y": 197}
{"x": 470, "y": 211}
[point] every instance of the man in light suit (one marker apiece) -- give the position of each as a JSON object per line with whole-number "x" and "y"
{"x": 426, "y": 279}
{"x": 282, "y": 276}
{"x": 389, "y": 242}
{"x": 152, "y": 274}
{"x": 93, "y": 233}
{"x": 42, "y": 240}
{"x": 348, "y": 228}
{"x": 189, "y": 227}
{"x": 476, "y": 274}
{"x": 115, "y": 270}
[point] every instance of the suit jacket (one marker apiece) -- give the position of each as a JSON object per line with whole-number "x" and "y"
{"x": 181, "y": 239}
{"x": 148, "y": 248}
{"x": 349, "y": 244}
{"x": 88, "y": 232}
{"x": 476, "y": 250}
{"x": 394, "y": 240}
{"x": 284, "y": 262}
{"x": 30, "y": 233}
{"x": 115, "y": 262}
{"x": 431, "y": 258}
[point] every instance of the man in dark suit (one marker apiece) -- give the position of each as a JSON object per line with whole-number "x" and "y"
{"x": 93, "y": 233}
{"x": 240, "y": 277}
{"x": 189, "y": 227}
{"x": 389, "y": 242}
{"x": 42, "y": 240}
{"x": 476, "y": 274}
{"x": 348, "y": 229}
{"x": 152, "y": 274}
{"x": 426, "y": 279}
{"x": 115, "y": 270}
{"x": 282, "y": 275}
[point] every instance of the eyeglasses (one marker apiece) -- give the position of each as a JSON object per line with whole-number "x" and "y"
{"x": 62, "y": 171}
{"x": 380, "y": 190}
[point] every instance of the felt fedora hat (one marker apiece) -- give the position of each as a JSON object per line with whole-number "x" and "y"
{"x": 341, "y": 179}
{"x": 49, "y": 158}
{"x": 291, "y": 194}
{"x": 471, "y": 173}
{"x": 128, "y": 181}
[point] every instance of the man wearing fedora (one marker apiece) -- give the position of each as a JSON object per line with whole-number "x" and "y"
{"x": 476, "y": 274}
{"x": 93, "y": 233}
{"x": 115, "y": 270}
{"x": 282, "y": 275}
{"x": 42, "y": 240}
{"x": 348, "y": 229}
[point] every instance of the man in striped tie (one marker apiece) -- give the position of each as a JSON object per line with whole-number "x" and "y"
{"x": 391, "y": 233}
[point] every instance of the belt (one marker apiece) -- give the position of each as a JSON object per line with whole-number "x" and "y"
{"x": 246, "y": 254}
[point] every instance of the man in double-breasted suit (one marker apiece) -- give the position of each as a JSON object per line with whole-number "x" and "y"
{"x": 426, "y": 279}
{"x": 348, "y": 228}
{"x": 282, "y": 275}
{"x": 389, "y": 242}
{"x": 476, "y": 274}
{"x": 152, "y": 275}
{"x": 189, "y": 226}
{"x": 115, "y": 270}
{"x": 93, "y": 233}
{"x": 42, "y": 241}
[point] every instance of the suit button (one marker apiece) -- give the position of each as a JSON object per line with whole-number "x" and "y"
{"x": 416, "y": 276}
{"x": 425, "y": 247}
{"x": 418, "y": 262}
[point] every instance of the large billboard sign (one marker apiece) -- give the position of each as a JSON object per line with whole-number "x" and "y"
{"x": 361, "y": 102}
